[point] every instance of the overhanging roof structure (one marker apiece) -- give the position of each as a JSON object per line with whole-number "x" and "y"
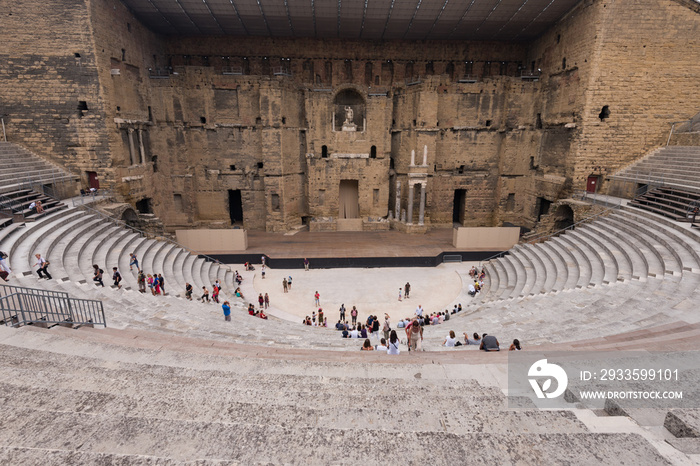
{"x": 354, "y": 19}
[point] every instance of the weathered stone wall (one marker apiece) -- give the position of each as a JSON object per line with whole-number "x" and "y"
{"x": 47, "y": 68}
{"x": 167, "y": 121}
{"x": 640, "y": 58}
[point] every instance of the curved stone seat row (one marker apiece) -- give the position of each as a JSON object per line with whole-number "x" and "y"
{"x": 187, "y": 403}
{"x": 618, "y": 248}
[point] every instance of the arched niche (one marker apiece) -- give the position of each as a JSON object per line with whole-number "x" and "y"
{"x": 349, "y": 111}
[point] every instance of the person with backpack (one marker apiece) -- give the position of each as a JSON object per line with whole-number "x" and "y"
{"x": 141, "y": 279}
{"x": 117, "y": 277}
{"x": 375, "y": 327}
{"x": 43, "y": 267}
{"x": 161, "y": 283}
{"x": 387, "y": 326}
{"x": 97, "y": 277}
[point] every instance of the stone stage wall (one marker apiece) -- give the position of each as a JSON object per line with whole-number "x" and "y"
{"x": 169, "y": 126}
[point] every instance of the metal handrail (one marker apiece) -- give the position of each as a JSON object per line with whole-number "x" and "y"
{"x": 145, "y": 234}
{"x": 11, "y": 289}
{"x": 34, "y": 306}
{"x": 553, "y": 234}
{"x": 12, "y": 204}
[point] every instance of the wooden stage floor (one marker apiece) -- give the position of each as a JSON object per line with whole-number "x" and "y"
{"x": 332, "y": 244}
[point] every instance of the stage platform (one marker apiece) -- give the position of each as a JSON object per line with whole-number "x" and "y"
{"x": 352, "y": 249}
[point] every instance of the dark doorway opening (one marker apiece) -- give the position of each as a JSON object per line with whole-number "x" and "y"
{"x": 93, "y": 182}
{"x": 543, "y": 207}
{"x": 348, "y": 199}
{"x": 144, "y": 206}
{"x": 235, "y": 206}
{"x": 563, "y": 218}
{"x": 459, "y": 205}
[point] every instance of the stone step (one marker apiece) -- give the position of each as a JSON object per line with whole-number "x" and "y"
{"x": 610, "y": 260}
{"x": 598, "y": 269}
{"x": 190, "y": 440}
{"x": 572, "y": 266}
{"x": 562, "y": 271}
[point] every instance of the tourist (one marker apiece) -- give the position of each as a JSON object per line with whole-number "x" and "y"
{"x": 43, "y": 266}
{"x": 205, "y": 294}
{"x": 306, "y": 264}
{"x": 472, "y": 290}
{"x": 313, "y": 317}
{"x": 354, "y": 333}
{"x": 161, "y": 283}
{"x": 345, "y": 333}
{"x": 515, "y": 346}
{"x": 227, "y": 311}
{"x": 386, "y": 328}
{"x": 117, "y": 277}
{"x": 262, "y": 260}
{"x": 284, "y": 285}
{"x": 445, "y": 315}
{"x": 4, "y": 268}
{"x": 459, "y": 307}
{"x": 451, "y": 340}
{"x": 39, "y": 207}
{"x": 188, "y": 291}
{"x": 400, "y": 324}
{"x": 414, "y": 334}
{"x": 375, "y": 327}
{"x": 238, "y": 293}
{"x": 320, "y": 316}
{"x": 363, "y": 331}
{"x": 133, "y": 261}
{"x": 32, "y": 208}
{"x": 215, "y": 290}
{"x": 325, "y": 321}
{"x": 454, "y": 309}
{"x": 289, "y": 282}
{"x": 237, "y": 278}
{"x": 476, "y": 340}
{"x": 489, "y": 343}
{"x": 97, "y": 277}
{"x": 339, "y": 326}
{"x": 141, "y": 280}
{"x": 393, "y": 343}
{"x": 407, "y": 289}
{"x": 267, "y": 301}
{"x": 419, "y": 311}
{"x": 151, "y": 283}
{"x": 367, "y": 346}
{"x": 156, "y": 283}
{"x": 262, "y": 272}
{"x": 342, "y": 312}
{"x": 317, "y": 299}
{"x": 353, "y": 314}
{"x": 382, "y": 345}
{"x": 399, "y": 294}
{"x": 261, "y": 301}
{"x": 262, "y": 314}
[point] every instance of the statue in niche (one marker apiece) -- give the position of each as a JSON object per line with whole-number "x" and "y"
{"x": 348, "y": 125}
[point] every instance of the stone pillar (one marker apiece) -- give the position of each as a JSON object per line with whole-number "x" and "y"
{"x": 409, "y": 214}
{"x": 142, "y": 151}
{"x": 421, "y": 212}
{"x": 413, "y": 158}
{"x": 425, "y": 156}
{"x": 132, "y": 147}
{"x": 398, "y": 198}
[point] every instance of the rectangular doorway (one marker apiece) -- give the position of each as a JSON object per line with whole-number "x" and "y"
{"x": 459, "y": 206}
{"x": 235, "y": 206}
{"x": 348, "y": 199}
{"x": 592, "y": 184}
{"x": 93, "y": 182}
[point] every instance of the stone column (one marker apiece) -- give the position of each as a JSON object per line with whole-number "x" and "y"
{"x": 398, "y": 198}
{"x": 425, "y": 156}
{"x": 142, "y": 151}
{"x": 421, "y": 212}
{"x": 132, "y": 147}
{"x": 413, "y": 158}
{"x": 409, "y": 214}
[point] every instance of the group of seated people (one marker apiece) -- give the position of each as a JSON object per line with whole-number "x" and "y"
{"x": 311, "y": 321}
{"x": 390, "y": 347}
{"x": 257, "y": 313}
{"x": 485, "y": 342}
{"x": 435, "y": 318}
{"x": 237, "y": 277}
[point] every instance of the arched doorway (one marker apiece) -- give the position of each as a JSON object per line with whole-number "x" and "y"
{"x": 563, "y": 217}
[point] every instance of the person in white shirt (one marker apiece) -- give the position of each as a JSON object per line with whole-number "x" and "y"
{"x": 450, "y": 340}
{"x": 419, "y": 311}
{"x": 382, "y": 345}
{"x": 393, "y": 343}
{"x": 354, "y": 333}
{"x": 43, "y": 267}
